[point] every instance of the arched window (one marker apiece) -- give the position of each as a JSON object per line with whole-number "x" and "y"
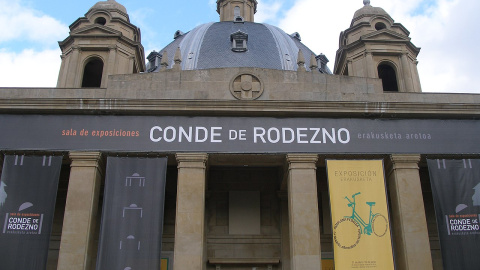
{"x": 389, "y": 77}
{"x": 380, "y": 26}
{"x": 101, "y": 21}
{"x": 92, "y": 74}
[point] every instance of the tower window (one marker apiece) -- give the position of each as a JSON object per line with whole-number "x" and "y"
{"x": 101, "y": 20}
{"x": 239, "y": 41}
{"x": 92, "y": 74}
{"x": 389, "y": 77}
{"x": 237, "y": 18}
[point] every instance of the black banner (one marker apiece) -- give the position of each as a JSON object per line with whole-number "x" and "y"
{"x": 456, "y": 193}
{"x": 238, "y": 134}
{"x": 132, "y": 219}
{"x": 28, "y": 191}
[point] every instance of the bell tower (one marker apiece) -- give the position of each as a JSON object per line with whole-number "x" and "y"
{"x": 237, "y": 10}
{"x": 102, "y": 43}
{"x": 376, "y": 47}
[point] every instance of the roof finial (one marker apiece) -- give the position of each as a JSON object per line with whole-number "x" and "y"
{"x": 301, "y": 61}
{"x": 313, "y": 63}
{"x": 366, "y": 2}
{"x": 178, "y": 60}
{"x": 164, "y": 62}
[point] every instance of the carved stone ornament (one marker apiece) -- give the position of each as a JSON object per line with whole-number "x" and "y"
{"x": 246, "y": 87}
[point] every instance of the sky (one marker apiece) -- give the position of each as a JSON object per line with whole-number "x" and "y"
{"x": 445, "y": 30}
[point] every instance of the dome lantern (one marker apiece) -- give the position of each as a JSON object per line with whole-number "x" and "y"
{"x": 115, "y": 9}
{"x": 237, "y": 10}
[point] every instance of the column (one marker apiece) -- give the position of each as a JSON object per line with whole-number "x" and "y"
{"x": 412, "y": 246}
{"x": 78, "y": 245}
{"x": 190, "y": 217}
{"x": 305, "y": 251}
{"x": 285, "y": 234}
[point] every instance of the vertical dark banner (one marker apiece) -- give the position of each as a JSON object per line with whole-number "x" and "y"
{"x": 456, "y": 194}
{"x": 28, "y": 191}
{"x": 132, "y": 219}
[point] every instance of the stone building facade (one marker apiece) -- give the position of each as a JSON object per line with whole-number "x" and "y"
{"x": 241, "y": 70}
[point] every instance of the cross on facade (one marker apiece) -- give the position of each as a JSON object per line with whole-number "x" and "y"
{"x": 246, "y": 87}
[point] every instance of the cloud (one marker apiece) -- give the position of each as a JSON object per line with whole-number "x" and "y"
{"x": 444, "y": 29}
{"x": 319, "y": 23}
{"x": 149, "y": 33}
{"x": 30, "y": 56}
{"x": 29, "y": 68}
{"x": 19, "y": 22}
{"x": 267, "y": 11}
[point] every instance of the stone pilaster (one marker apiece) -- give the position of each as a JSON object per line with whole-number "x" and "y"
{"x": 370, "y": 72}
{"x": 62, "y": 75}
{"x": 412, "y": 247}
{"x": 407, "y": 74}
{"x": 350, "y": 69}
{"x": 73, "y": 79}
{"x": 78, "y": 246}
{"x": 305, "y": 251}
{"x": 112, "y": 64}
{"x": 190, "y": 218}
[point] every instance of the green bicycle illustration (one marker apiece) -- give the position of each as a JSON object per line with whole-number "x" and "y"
{"x": 348, "y": 230}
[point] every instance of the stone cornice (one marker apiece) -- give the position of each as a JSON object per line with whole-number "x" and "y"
{"x": 354, "y": 109}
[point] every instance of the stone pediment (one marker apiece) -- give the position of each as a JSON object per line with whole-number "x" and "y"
{"x": 96, "y": 30}
{"x": 385, "y": 35}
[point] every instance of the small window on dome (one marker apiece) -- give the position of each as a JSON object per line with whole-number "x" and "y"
{"x": 101, "y": 20}
{"x": 239, "y": 44}
{"x": 239, "y": 41}
{"x": 380, "y": 26}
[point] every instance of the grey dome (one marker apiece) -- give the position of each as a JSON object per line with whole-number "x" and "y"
{"x": 209, "y": 46}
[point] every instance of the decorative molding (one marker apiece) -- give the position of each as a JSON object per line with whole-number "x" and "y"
{"x": 191, "y": 160}
{"x": 302, "y": 161}
{"x": 246, "y": 86}
{"x": 402, "y": 162}
{"x": 87, "y": 159}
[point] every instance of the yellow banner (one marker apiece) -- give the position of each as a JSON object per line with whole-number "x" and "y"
{"x": 361, "y": 228}
{"x": 164, "y": 264}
